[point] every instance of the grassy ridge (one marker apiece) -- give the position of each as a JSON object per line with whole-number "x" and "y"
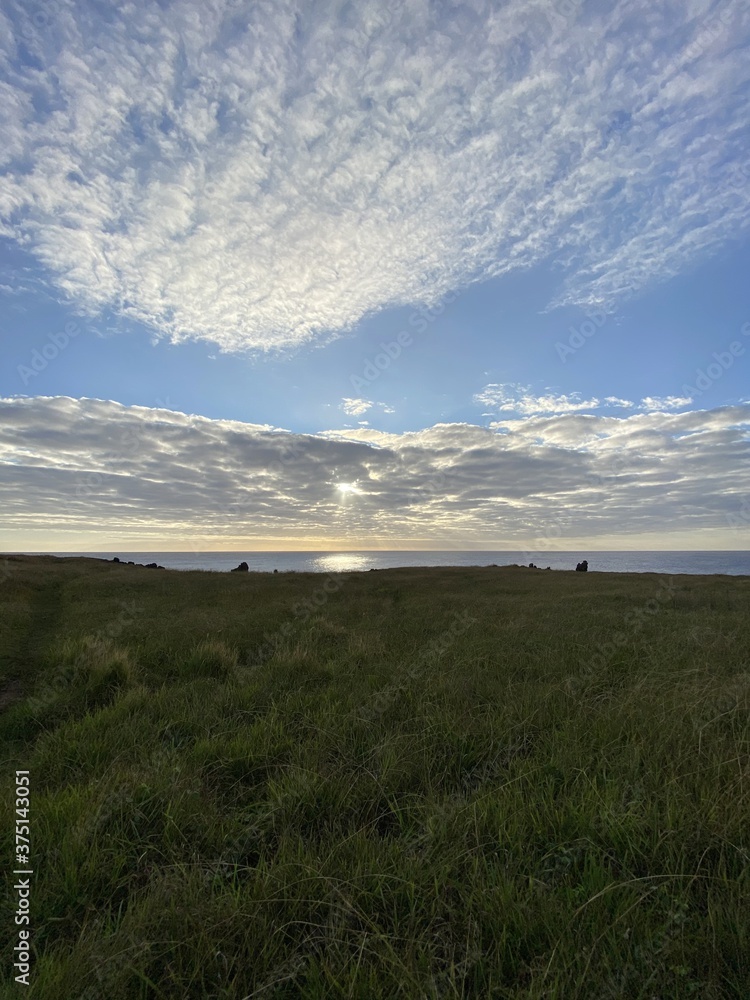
{"x": 406, "y": 783}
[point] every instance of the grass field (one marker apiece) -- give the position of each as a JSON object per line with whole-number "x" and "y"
{"x": 418, "y": 783}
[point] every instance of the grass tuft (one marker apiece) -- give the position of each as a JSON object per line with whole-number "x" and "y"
{"x": 210, "y": 658}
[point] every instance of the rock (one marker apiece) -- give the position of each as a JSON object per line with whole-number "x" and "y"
{"x": 582, "y": 567}
{"x": 130, "y": 562}
{"x": 242, "y": 568}
{"x": 153, "y": 566}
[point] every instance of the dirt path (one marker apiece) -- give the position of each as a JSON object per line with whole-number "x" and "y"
{"x": 18, "y": 667}
{"x": 10, "y": 692}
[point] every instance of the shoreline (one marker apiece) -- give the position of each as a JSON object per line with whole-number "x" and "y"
{"x": 122, "y": 561}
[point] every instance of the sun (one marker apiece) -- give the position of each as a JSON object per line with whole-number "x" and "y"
{"x": 347, "y": 488}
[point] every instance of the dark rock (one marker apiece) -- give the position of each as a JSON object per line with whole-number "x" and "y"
{"x": 242, "y": 568}
{"x": 115, "y": 559}
{"x": 130, "y": 562}
{"x": 582, "y": 567}
{"x": 153, "y": 566}
{"x": 276, "y": 571}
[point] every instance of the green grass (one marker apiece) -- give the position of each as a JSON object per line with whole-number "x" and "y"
{"x": 419, "y": 783}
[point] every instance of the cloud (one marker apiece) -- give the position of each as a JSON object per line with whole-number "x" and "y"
{"x": 626, "y": 404}
{"x": 665, "y": 402}
{"x": 87, "y": 467}
{"x": 510, "y": 397}
{"x": 262, "y": 175}
{"x": 514, "y": 398}
{"x": 356, "y": 407}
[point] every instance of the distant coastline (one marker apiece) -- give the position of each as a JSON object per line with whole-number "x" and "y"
{"x": 733, "y": 563}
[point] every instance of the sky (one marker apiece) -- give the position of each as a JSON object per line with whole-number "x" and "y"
{"x": 332, "y": 275}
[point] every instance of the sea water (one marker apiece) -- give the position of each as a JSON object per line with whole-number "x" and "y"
{"x": 673, "y": 563}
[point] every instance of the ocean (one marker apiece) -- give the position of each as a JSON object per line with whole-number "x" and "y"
{"x": 732, "y": 563}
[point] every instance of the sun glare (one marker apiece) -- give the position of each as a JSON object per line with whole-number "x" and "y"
{"x": 347, "y": 488}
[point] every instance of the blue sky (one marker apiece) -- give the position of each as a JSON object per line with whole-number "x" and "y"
{"x": 213, "y": 217}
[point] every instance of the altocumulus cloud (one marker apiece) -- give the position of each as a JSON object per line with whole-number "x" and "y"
{"x": 356, "y": 407}
{"x": 138, "y": 472}
{"x": 510, "y": 397}
{"x": 264, "y": 174}
{"x": 665, "y": 402}
{"x": 514, "y": 398}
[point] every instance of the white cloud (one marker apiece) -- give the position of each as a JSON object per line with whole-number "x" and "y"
{"x": 74, "y": 467}
{"x": 665, "y": 402}
{"x": 264, "y": 174}
{"x": 625, "y": 404}
{"x": 356, "y": 407}
{"x": 510, "y": 397}
{"x": 513, "y": 398}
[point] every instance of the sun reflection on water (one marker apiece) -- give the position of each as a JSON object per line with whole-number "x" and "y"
{"x": 342, "y": 562}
